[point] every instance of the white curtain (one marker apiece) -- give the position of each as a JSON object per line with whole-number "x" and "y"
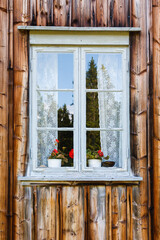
{"x": 109, "y": 77}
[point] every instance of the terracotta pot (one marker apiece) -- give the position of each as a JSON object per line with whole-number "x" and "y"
{"x": 54, "y": 163}
{"x": 94, "y": 163}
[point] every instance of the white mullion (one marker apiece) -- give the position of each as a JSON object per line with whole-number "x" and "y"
{"x": 76, "y": 117}
{"x": 103, "y": 90}
{"x": 55, "y": 90}
{"x": 104, "y": 129}
{"x": 80, "y": 157}
{"x": 83, "y": 108}
{"x": 55, "y": 128}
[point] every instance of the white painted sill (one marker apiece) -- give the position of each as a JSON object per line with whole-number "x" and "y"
{"x": 70, "y": 180}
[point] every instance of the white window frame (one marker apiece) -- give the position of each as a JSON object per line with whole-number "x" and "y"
{"x": 87, "y": 41}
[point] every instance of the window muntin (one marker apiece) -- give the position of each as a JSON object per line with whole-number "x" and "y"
{"x": 78, "y": 89}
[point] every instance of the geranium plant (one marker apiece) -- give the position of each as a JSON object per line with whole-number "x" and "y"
{"x": 95, "y": 154}
{"x": 57, "y": 154}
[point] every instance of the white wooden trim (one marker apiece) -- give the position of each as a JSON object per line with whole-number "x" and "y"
{"x": 79, "y": 38}
{"x": 73, "y": 180}
{"x": 80, "y": 29}
{"x": 77, "y": 41}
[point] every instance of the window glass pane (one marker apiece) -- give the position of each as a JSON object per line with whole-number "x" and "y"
{"x": 47, "y": 143}
{"x": 46, "y": 109}
{"x": 54, "y": 70}
{"x": 65, "y": 71}
{"x": 65, "y": 109}
{"x": 104, "y": 71}
{"x": 53, "y": 104}
{"x": 109, "y": 142}
{"x": 66, "y": 146}
{"x": 104, "y": 110}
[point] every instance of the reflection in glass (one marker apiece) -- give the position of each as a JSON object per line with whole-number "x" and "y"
{"x": 104, "y": 71}
{"x": 66, "y": 146}
{"x": 109, "y": 142}
{"x": 46, "y": 109}
{"x": 54, "y": 71}
{"x": 92, "y": 110}
{"x": 46, "y": 144}
{"x": 65, "y": 109}
{"x": 65, "y": 71}
{"x": 104, "y": 110}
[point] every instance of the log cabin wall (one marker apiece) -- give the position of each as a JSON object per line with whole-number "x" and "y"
{"x": 94, "y": 211}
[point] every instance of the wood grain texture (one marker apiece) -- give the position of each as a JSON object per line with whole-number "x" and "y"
{"x": 3, "y": 119}
{"x": 119, "y": 209}
{"x": 97, "y": 213}
{"x": 83, "y": 212}
{"x": 20, "y": 69}
{"x": 72, "y": 213}
{"x": 139, "y": 124}
{"x": 156, "y": 117}
{"x": 108, "y": 213}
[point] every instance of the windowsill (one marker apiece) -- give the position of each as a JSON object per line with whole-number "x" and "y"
{"x": 72, "y": 180}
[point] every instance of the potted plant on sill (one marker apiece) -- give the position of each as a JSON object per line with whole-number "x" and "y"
{"x": 95, "y": 158}
{"x": 56, "y": 157}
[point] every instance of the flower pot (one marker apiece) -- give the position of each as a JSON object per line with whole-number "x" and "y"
{"x": 94, "y": 163}
{"x": 54, "y": 163}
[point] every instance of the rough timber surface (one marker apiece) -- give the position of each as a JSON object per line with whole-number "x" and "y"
{"x": 90, "y": 210}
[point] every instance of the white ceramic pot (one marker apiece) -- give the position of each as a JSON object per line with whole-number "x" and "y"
{"x": 94, "y": 163}
{"x": 54, "y": 163}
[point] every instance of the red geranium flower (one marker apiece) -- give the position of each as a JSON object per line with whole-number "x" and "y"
{"x": 55, "y": 151}
{"x": 57, "y": 140}
{"x": 100, "y": 153}
{"x": 71, "y": 153}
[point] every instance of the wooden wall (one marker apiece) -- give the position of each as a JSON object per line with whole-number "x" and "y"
{"x": 84, "y": 211}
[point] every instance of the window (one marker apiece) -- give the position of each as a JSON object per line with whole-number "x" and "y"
{"x": 79, "y": 94}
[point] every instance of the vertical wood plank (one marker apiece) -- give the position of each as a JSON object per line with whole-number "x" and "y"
{"x": 119, "y": 207}
{"x": 62, "y": 12}
{"x": 85, "y": 13}
{"x": 27, "y": 213}
{"x": 10, "y": 120}
{"x": 101, "y": 7}
{"x": 97, "y": 213}
{"x": 139, "y": 123}
{"x": 76, "y": 13}
{"x": 129, "y": 214}
{"x": 93, "y": 13}
{"x": 3, "y": 119}
{"x": 156, "y": 117}
{"x": 108, "y": 213}
{"x": 73, "y": 213}
{"x": 59, "y": 213}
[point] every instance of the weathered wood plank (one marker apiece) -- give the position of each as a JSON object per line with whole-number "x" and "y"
{"x": 156, "y": 117}
{"x": 97, "y": 213}
{"x": 108, "y": 213}
{"x": 93, "y": 13}
{"x": 101, "y": 14}
{"x": 46, "y": 212}
{"x": 86, "y": 13}
{"x": 20, "y": 114}
{"x": 139, "y": 127}
{"x": 73, "y": 213}
{"x": 62, "y": 13}
{"x": 3, "y": 119}
{"x": 76, "y": 16}
{"x": 119, "y": 210}
{"x": 129, "y": 214}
